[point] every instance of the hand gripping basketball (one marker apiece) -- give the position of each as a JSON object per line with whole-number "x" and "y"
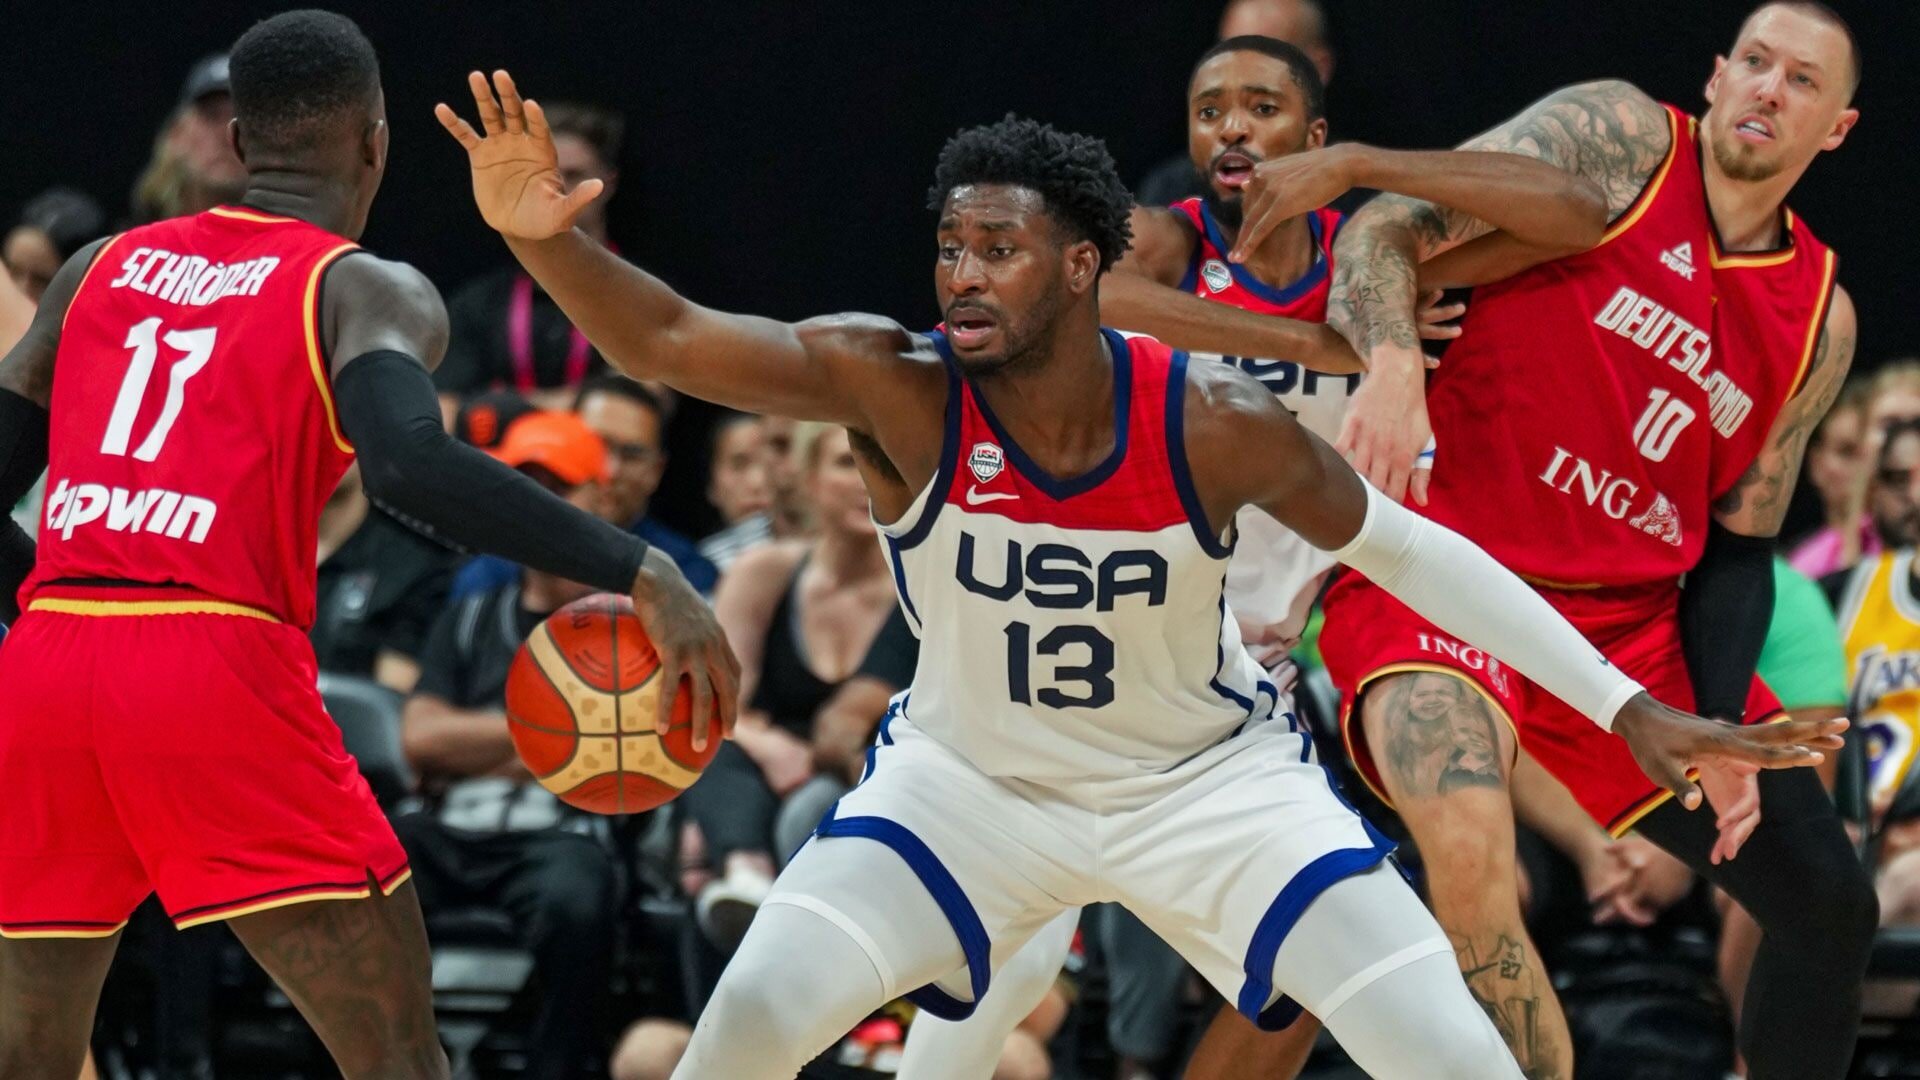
{"x": 516, "y": 173}
{"x": 1667, "y": 743}
{"x": 585, "y": 695}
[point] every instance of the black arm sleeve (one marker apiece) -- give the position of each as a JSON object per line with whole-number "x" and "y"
{"x": 1725, "y": 610}
{"x": 23, "y": 457}
{"x": 418, "y": 472}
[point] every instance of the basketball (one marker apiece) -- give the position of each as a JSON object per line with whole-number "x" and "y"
{"x": 581, "y": 700}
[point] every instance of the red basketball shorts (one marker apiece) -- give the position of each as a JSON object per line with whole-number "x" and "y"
{"x": 1369, "y": 635}
{"x": 161, "y": 740}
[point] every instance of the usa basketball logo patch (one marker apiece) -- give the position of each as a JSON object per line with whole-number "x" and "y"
{"x": 986, "y": 461}
{"x": 1216, "y": 275}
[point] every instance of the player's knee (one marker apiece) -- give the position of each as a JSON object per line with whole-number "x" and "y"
{"x": 1471, "y": 868}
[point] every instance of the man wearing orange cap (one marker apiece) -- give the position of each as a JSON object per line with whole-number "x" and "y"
{"x": 490, "y": 835}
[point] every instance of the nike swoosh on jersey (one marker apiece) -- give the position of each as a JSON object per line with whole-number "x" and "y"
{"x": 975, "y": 496}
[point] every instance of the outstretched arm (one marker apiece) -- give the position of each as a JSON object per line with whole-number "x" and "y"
{"x": 1140, "y": 295}
{"x": 1303, "y": 484}
{"x": 385, "y": 326}
{"x": 822, "y": 369}
{"x": 1608, "y": 133}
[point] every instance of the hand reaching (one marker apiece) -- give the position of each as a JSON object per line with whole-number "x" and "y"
{"x": 516, "y": 174}
{"x": 1667, "y": 742}
{"x": 691, "y": 646}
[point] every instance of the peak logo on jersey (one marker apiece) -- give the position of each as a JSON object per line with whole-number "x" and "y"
{"x": 1216, "y": 275}
{"x": 986, "y": 460}
{"x": 154, "y": 510}
{"x": 1614, "y": 496}
{"x": 1679, "y": 259}
{"x": 1682, "y": 346}
{"x": 1660, "y": 520}
{"x": 190, "y": 279}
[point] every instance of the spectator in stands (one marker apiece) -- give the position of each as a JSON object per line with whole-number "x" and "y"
{"x": 801, "y": 615}
{"x": 55, "y": 224}
{"x": 1837, "y": 469}
{"x": 492, "y": 836}
{"x": 632, "y": 419}
{"x": 1300, "y": 23}
{"x": 193, "y": 167}
{"x": 789, "y": 516}
{"x": 505, "y": 330}
{"x": 380, "y": 586}
{"x": 738, "y": 488}
{"x": 631, "y": 424}
{"x": 1879, "y": 609}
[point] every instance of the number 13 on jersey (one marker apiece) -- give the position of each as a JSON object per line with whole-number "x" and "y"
{"x": 145, "y": 338}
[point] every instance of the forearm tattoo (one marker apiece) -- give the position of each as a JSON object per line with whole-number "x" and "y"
{"x": 1609, "y": 132}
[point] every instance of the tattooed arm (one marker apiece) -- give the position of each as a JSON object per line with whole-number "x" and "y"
{"x": 1608, "y": 132}
{"x": 1757, "y": 504}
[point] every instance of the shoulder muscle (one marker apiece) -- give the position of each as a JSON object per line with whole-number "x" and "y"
{"x": 372, "y": 303}
{"x": 1609, "y": 131}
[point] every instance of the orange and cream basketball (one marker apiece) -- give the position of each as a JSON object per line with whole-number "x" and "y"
{"x": 582, "y": 697}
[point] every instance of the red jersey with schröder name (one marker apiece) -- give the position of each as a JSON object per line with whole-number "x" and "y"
{"x": 193, "y": 437}
{"x": 1596, "y": 405}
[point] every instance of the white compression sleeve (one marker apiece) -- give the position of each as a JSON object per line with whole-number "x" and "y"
{"x": 1448, "y": 579}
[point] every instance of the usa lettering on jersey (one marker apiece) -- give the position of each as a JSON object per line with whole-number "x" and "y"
{"x": 191, "y": 279}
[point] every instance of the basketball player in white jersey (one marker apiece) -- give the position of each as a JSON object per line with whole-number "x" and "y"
{"x": 1085, "y": 724}
{"x": 1250, "y": 100}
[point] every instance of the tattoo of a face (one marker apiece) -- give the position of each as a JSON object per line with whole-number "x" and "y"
{"x": 1439, "y": 736}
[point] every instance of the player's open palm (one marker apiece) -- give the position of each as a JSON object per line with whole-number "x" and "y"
{"x": 516, "y": 173}
{"x": 1667, "y": 743}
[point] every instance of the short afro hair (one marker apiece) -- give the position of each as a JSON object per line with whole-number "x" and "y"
{"x": 1307, "y": 77}
{"x": 296, "y": 74}
{"x": 1073, "y": 174}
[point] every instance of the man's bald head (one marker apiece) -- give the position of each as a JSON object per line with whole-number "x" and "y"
{"x": 1300, "y": 23}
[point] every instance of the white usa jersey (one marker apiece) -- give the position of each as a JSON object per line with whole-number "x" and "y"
{"x": 1073, "y": 630}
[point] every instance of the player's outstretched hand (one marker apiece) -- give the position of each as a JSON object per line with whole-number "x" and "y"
{"x": 691, "y": 645}
{"x": 516, "y": 174}
{"x": 1285, "y": 187}
{"x": 1667, "y": 742}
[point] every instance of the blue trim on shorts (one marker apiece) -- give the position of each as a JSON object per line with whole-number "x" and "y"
{"x": 939, "y": 882}
{"x": 1272, "y": 930}
{"x": 946, "y": 892}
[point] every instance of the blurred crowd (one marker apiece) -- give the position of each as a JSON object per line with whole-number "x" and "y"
{"x": 569, "y": 944}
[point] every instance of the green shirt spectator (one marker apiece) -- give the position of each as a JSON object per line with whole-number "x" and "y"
{"x": 1803, "y": 661}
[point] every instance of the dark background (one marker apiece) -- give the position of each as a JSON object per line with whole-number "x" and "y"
{"x": 778, "y": 153}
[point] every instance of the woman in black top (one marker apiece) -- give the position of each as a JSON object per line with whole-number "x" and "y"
{"x": 801, "y": 615}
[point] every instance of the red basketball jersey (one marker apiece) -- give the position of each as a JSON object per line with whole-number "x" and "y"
{"x": 1596, "y": 405}
{"x": 193, "y": 434}
{"x": 1211, "y": 277}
